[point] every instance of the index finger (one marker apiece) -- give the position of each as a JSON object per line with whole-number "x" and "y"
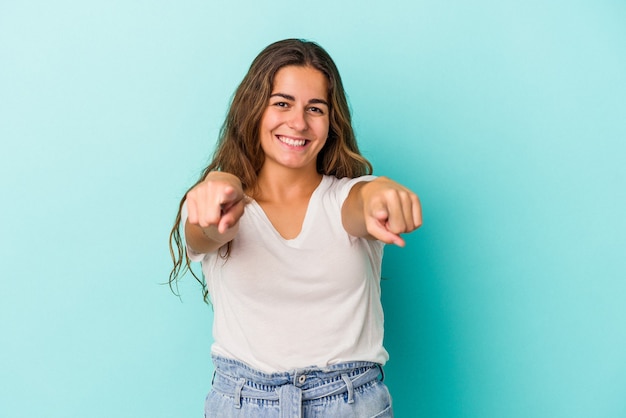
{"x": 230, "y": 197}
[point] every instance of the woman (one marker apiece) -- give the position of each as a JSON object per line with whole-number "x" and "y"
{"x": 290, "y": 228}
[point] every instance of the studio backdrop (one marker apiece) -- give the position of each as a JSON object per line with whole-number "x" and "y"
{"x": 508, "y": 119}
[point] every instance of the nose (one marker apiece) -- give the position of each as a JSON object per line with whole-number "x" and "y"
{"x": 297, "y": 120}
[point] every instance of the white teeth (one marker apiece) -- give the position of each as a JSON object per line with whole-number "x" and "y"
{"x": 292, "y": 142}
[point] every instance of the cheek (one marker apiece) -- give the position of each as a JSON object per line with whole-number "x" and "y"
{"x": 323, "y": 129}
{"x": 265, "y": 124}
{"x": 270, "y": 120}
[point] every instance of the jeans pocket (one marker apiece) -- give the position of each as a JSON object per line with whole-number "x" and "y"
{"x": 386, "y": 413}
{"x": 386, "y": 398}
{"x": 216, "y": 405}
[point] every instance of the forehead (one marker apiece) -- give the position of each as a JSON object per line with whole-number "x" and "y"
{"x": 301, "y": 81}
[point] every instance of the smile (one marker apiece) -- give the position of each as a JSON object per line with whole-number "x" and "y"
{"x": 291, "y": 141}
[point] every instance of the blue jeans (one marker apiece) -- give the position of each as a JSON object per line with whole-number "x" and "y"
{"x": 341, "y": 390}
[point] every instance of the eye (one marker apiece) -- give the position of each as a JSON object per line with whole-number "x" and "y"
{"x": 316, "y": 110}
{"x": 281, "y": 104}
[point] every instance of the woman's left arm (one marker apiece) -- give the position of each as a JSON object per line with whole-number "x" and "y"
{"x": 381, "y": 209}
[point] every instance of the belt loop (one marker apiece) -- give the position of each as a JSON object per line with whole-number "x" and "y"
{"x": 289, "y": 401}
{"x": 238, "y": 390}
{"x": 350, "y": 387}
{"x": 213, "y": 378}
{"x": 382, "y": 372}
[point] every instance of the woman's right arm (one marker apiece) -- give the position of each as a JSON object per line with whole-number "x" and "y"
{"x": 214, "y": 208}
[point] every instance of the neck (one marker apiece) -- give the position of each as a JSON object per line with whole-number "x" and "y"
{"x": 286, "y": 184}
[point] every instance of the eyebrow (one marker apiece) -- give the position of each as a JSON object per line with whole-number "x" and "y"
{"x": 293, "y": 99}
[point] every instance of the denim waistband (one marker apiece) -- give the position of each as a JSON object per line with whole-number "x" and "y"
{"x": 240, "y": 381}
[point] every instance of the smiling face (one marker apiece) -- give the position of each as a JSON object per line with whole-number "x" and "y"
{"x": 294, "y": 126}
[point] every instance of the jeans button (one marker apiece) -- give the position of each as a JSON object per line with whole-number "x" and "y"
{"x": 301, "y": 379}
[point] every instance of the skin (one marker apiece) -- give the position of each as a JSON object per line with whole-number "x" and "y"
{"x": 293, "y": 130}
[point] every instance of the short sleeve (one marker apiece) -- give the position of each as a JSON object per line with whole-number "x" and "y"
{"x": 346, "y": 184}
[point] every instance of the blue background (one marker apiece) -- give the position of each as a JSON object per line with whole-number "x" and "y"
{"x": 507, "y": 118}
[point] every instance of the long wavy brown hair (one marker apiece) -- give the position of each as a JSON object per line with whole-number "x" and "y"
{"x": 239, "y": 149}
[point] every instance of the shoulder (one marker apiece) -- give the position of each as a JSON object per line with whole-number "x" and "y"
{"x": 340, "y": 187}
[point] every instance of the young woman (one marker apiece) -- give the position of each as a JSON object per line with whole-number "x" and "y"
{"x": 290, "y": 227}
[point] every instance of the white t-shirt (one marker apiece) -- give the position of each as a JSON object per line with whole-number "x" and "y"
{"x": 309, "y": 301}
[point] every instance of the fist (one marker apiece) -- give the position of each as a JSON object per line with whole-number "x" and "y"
{"x": 217, "y": 201}
{"x": 390, "y": 209}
